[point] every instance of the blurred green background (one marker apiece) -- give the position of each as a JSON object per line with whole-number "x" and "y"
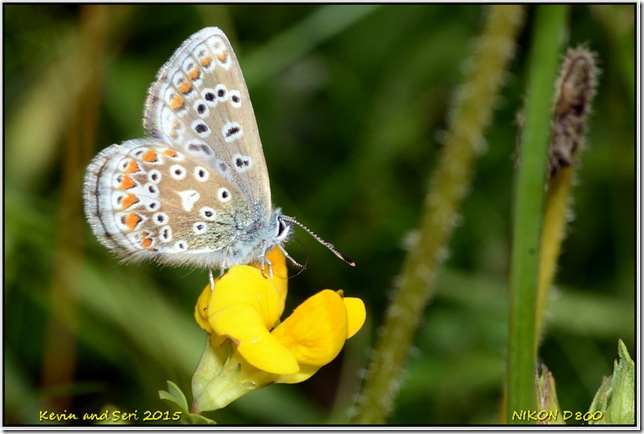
{"x": 351, "y": 103}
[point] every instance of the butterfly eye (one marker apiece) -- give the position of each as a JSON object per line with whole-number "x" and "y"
{"x": 283, "y": 230}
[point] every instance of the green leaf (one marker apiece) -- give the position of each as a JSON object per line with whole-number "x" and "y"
{"x": 547, "y": 397}
{"x": 176, "y": 399}
{"x": 544, "y": 54}
{"x": 615, "y": 398}
{"x": 177, "y": 394}
{"x": 197, "y": 419}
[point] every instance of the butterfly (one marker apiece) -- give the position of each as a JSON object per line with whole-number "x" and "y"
{"x": 194, "y": 191}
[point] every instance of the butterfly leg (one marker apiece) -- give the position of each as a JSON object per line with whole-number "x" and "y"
{"x": 212, "y": 281}
{"x": 264, "y": 261}
{"x": 267, "y": 263}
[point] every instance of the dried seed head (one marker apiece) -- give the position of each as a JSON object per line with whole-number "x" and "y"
{"x": 575, "y": 90}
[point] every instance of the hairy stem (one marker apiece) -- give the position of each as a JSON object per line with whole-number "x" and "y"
{"x": 450, "y": 182}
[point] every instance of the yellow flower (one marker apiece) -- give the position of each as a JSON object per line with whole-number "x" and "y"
{"x": 249, "y": 348}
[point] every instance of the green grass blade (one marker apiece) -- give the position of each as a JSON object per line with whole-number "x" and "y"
{"x": 528, "y": 207}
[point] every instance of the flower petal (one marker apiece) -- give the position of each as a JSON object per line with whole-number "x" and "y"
{"x": 305, "y": 372}
{"x": 201, "y": 309}
{"x": 244, "y": 306}
{"x": 356, "y": 315}
{"x": 245, "y": 285}
{"x": 255, "y": 344}
{"x": 317, "y": 329}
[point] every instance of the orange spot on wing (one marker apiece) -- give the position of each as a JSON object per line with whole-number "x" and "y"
{"x": 170, "y": 152}
{"x": 127, "y": 183}
{"x": 206, "y": 61}
{"x": 176, "y": 102}
{"x": 150, "y": 156}
{"x": 194, "y": 74}
{"x": 185, "y": 87}
{"x": 132, "y": 167}
{"x": 222, "y": 56}
{"x": 147, "y": 242}
{"x": 128, "y": 201}
{"x": 132, "y": 220}
{"x": 174, "y": 133}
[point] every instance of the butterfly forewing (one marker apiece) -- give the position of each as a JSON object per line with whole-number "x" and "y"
{"x": 201, "y": 106}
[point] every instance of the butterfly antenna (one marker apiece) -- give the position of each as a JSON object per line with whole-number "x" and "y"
{"x": 326, "y": 244}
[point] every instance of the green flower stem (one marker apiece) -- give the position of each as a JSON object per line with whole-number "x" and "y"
{"x": 554, "y": 226}
{"x": 451, "y": 180}
{"x": 528, "y": 208}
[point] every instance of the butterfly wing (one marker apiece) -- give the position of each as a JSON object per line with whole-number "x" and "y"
{"x": 200, "y": 105}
